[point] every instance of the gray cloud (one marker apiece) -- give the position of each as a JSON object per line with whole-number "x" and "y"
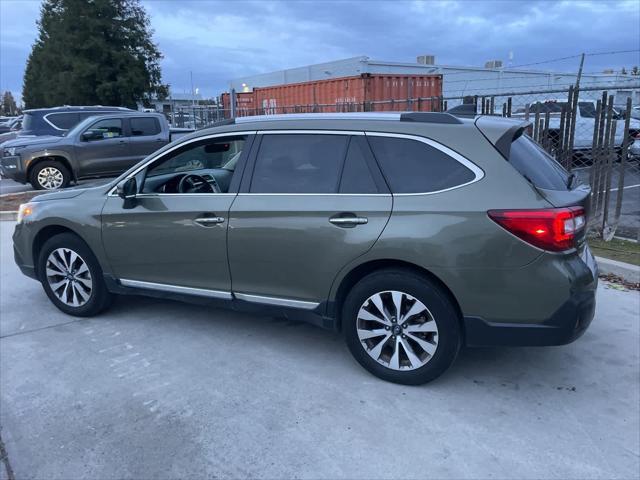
{"x": 219, "y": 40}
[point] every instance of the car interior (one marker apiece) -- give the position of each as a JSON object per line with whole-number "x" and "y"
{"x": 203, "y": 168}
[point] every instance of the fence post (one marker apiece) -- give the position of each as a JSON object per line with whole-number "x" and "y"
{"x": 559, "y": 154}
{"x": 572, "y": 125}
{"x": 509, "y": 107}
{"x": 607, "y": 177}
{"x": 623, "y": 160}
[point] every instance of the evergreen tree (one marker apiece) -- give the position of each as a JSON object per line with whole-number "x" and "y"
{"x": 92, "y": 52}
{"x": 9, "y": 106}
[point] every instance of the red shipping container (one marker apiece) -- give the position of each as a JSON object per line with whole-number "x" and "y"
{"x": 367, "y": 92}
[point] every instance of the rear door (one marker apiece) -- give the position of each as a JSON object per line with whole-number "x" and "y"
{"x": 310, "y": 203}
{"x": 145, "y": 137}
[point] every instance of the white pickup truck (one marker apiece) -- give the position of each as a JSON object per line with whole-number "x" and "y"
{"x": 585, "y": 122}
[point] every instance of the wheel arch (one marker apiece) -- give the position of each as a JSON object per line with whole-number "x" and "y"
{"x": 55, "y": 157}
{"x": 360, "y": 271}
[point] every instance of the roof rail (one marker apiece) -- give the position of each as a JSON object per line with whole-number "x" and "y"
{"x": 430, "y": 117}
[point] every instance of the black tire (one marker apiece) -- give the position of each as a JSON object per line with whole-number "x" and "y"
{"x": 431, "y": 295}
{"x": 51, "y": 164}
{"x": 99, "y": 297}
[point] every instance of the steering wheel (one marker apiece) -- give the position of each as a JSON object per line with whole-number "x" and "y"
{"x": 192, "y": 183}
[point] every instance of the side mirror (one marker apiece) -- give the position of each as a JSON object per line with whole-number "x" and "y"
{"x": 91, "y": 135}
{"x": 127, "y": 189}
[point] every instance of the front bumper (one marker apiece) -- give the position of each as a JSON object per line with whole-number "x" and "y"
{"x": 11, "y": 167}
{"x": 564, "y": 326}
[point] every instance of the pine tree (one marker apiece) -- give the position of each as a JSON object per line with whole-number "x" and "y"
{"x": 92, "y": 52}
{"x": 9, "y": 106}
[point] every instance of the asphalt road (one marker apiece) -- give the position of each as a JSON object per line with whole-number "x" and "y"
{"x": 160, "y": 389}
{"x": 9, "y": 186}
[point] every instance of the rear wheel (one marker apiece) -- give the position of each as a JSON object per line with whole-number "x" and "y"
{"x": 401, "y": 326}
{"x": 49, "y": 175}
{"x": 71, "y": 276}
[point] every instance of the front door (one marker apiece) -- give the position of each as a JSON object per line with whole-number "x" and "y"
{"x": 174, "y": 236}
{"x": 304, "y": 214}
{"x": 103, "y": 149}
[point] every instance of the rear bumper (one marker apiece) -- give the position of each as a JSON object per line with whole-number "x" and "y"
{"x": 570, "y": 320}
{"x": 567, "y": 324}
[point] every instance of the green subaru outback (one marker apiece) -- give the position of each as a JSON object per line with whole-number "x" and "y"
{"x": 413, "y": 234}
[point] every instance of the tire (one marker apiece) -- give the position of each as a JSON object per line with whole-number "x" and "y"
{"x": 432, "y": 306}
{"x": 49, "y": 175}
{"x": 87, "y": 295}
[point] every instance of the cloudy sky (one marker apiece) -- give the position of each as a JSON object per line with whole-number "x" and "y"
{"x": 219, "y": 40}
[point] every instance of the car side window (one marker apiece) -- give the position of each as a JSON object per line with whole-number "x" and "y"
{"x": 299, "y": 163}
{"x": 63, "y": 121}
{"x": 356, "y": 175}
{"x": 143, "y": 127}
{"x": 213, "y": 160}
{"x": 411, "y": 166}
{"x": 104, "y": 129}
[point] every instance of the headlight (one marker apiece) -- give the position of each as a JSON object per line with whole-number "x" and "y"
{"x": 25, "y": 210}
{"x": 11, "y": 151}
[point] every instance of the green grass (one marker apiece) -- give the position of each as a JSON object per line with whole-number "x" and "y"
{"x": 621, "y": 250}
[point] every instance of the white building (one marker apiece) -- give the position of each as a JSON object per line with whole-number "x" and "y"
{"x": 458, "y": 81}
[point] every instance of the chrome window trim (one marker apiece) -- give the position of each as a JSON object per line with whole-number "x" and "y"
{"x": 179, "y": 145}
{"x": 281, "y": 302}
{"x": 164, "y": 287}
{"x": 477, "y": 171}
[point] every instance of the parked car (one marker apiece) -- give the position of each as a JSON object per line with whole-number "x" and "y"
{"x": 100, "y": 146}
{"x": 9, "y": 122}
{"x": 413, "y": 234}
{"x": 15, "y": 127}
{"x": 585, "y": 122}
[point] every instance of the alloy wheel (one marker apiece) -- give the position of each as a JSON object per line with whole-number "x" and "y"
{"x": 397, "y": 330}
{"x": 69, "y": 277}
{"x": 50, "y": 178}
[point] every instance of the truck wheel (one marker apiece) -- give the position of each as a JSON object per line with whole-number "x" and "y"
{"x": 49, "y": 175}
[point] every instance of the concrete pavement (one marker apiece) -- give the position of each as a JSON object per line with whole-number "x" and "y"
{"x": 160, "y": 389}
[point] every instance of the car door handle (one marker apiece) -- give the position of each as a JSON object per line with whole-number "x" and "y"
{"x": 209, "y": 221}
{"x": 348, "y": 221}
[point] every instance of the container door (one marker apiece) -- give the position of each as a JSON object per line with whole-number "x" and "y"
{"x": 303, "y": 215}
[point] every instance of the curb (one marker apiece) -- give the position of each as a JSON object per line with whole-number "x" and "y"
{"x": 629, "y": 272}
{"x": 8, "y": 215}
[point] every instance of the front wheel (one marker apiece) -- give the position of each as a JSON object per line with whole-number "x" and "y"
{"x": 401, "y": 327}
{"x": 49, "y": 175}
{"x": 71, "y": 276}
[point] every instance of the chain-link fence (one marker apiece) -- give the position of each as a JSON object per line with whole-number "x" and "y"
{"x": 591, "y": 131}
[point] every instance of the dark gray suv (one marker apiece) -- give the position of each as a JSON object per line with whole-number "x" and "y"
{"x": 414, "y": 234}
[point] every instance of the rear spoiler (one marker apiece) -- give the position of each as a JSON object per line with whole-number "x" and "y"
{"x": 501, "y": 132}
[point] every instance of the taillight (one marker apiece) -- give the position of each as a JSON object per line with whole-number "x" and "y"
{"x": 552, "y": 229}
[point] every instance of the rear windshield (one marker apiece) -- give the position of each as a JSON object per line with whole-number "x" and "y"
{"x": 536, "y": 165}
{"x": 27, "y": 122}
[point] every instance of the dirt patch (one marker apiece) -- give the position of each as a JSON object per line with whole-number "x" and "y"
{"x": 12, "y": 201}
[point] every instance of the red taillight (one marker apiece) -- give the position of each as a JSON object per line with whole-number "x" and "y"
{"x": 552, "y": 229}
